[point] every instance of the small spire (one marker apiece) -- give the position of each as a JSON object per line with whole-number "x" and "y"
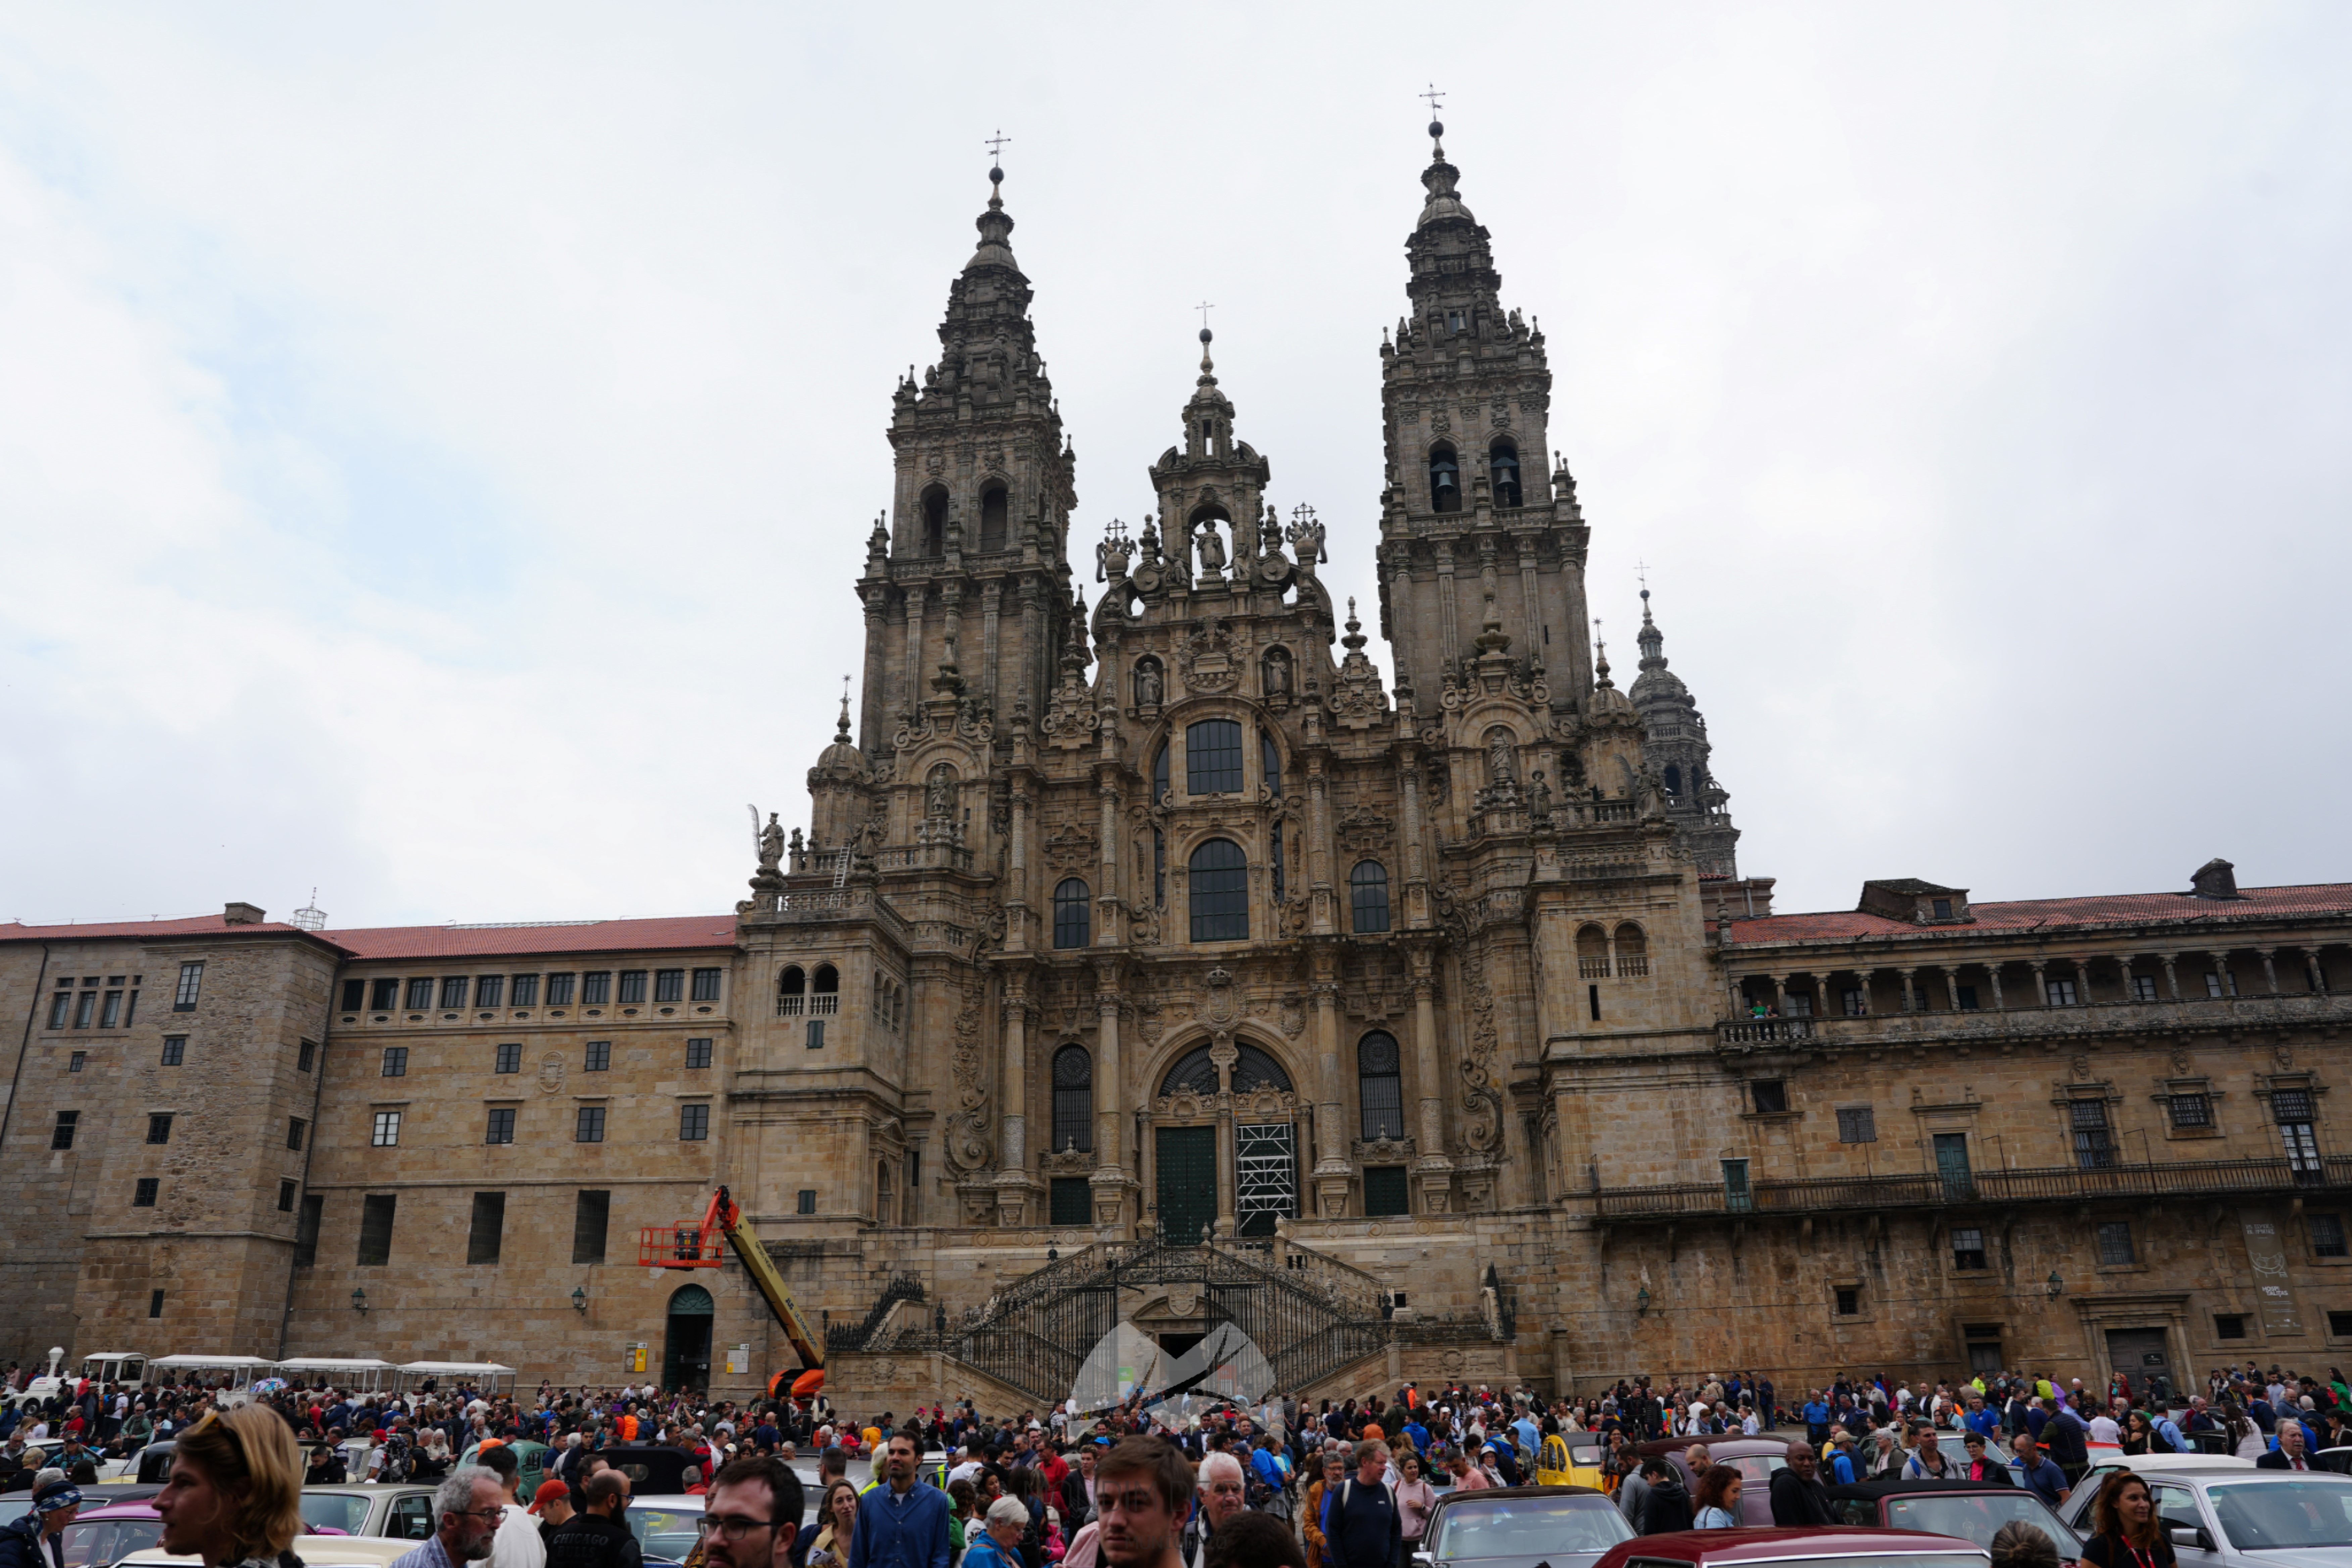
{"x": 996, "y": 145}
{"x": 1436, "y": 126}
{"x": 841, "y": 734}
{"x": 1208, "y": 369}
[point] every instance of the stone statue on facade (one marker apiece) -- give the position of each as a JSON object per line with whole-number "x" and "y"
{"x": 1538, "y": 800}
{"x": 1212, "y": 550}
{"x": 1146, "y": 683}
{"x": 1502, "y": 761}
{"x": 771, "y": 844}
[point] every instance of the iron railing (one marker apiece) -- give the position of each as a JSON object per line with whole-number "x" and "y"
{"x": 854, "y": 1336}
{"x": 1931, "y": 1190}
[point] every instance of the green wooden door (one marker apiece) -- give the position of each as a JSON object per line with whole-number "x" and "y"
{"x": 1187, "y": 1162}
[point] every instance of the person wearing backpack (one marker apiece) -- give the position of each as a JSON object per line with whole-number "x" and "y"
{"x": 1362, "y": 1526}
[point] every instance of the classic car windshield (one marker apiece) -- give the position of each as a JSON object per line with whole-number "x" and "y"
{"x": 1530, "y": 1526}
{"x": 2281, "y": 1516}
{"x": 1975, "y": 1518}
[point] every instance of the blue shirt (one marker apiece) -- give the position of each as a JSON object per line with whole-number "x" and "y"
{"x": 431, "y": 1555}
{"x": 895, "y": 1531}
{"x": 1816, "y": 1413}
{"x": 1983, "y": 1421}
{"x": 2044, "y": 1477}
{"x": 1841, "y": 1467}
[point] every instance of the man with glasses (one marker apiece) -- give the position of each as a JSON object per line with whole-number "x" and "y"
{"x": 598, "y": 1536}
{"x": 750, "y": 1514}
{"x": 900, "y": 1525}
{"x": 467, "y": 1510}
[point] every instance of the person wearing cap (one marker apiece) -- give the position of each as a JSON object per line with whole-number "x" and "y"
{"x": 34, "y": 1540}
{"x": 553, "y": 1503}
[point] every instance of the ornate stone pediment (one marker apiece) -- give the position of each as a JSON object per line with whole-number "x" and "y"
{"x": 1363, "y": 830}
{"x": 1382, "y": 1151}
{"x": 1071, "y": 844}
{"x": 1208, "y": 658}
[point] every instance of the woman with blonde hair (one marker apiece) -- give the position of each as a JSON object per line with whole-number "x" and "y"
{"x": 837, "y": 1518}
{"x": 233, "y": 1496}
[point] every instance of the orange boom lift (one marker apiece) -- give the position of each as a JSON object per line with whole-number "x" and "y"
{"x": 703, "y": 1246}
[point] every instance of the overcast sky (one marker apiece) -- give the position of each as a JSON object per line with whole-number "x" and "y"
{"x": 437, "y": 443}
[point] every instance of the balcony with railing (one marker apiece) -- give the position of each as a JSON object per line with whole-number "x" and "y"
{"x": 2054, "y": 1184}
{"x": 2256, "y": 1010}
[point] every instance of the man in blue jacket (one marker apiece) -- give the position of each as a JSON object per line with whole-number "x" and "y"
{"x": 900, "y": 1525}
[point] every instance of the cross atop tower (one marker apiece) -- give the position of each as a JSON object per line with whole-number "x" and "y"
{"x": 996, "y": 145}
{"x": 1204, "y": 308}
{"x": 1435, "y": 97}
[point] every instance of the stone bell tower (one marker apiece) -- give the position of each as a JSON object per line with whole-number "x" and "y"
{"x": 967, "y": 577}
{"x": 1467, "y": 517}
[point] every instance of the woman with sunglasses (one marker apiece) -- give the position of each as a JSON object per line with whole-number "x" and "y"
{"x": 233, "y": 1496}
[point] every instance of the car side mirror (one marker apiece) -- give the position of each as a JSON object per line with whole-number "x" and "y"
{"x": 2185, "y": 1535}
{"x": 1422, "y": 1560}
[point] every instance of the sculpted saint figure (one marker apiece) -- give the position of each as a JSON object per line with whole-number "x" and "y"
{"x": 1212, "y": 550}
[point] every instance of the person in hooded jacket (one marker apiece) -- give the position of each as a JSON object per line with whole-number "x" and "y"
{"x": 1667, "y": 1507}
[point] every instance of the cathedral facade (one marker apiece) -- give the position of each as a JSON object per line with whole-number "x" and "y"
{"x": 1147, "y": 954}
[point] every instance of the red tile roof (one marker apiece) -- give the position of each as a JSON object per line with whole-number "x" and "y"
{"x": 2056, "y": 915}
{"x": 676, "y": 933}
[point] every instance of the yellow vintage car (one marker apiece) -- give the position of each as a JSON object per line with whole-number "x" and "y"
{"x": 1570, "y": 1459}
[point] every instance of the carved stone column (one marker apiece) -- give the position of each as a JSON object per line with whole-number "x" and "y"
{"x": 912, "y": 668}
{"x": 871, "y": 732}
{"x": 2311, "y": 967}
{"x": 1779, "y": 989}
{"x": 1332, "y": 1169}
{"x": 1436, "y": 1171}
{"x": 1992, "y": 972}
{"x": 1223, "y": 1053}
{"x": 2171, "y": 973}
{"x": 1952, "y": 987}
{"x": 992, "y": 600}
{"x": 1108, "y": 927}
{"x": 1110, "y": 1176}
{"x": 1016, "y": 873}
{"x": 1415, "y": 868}
{"x": 1445, "y": 632}
{"x": 1322, "y": 915}
{"x": 1910, "y": 992}
{"x": 2270, "y": 968}
{"x": 2041, "y": 984}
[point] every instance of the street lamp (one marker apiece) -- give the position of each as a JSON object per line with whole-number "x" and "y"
{"x": 1642, "y": 1300}
{"x": 579, "y": 1299}
{"x": 2057, "y": 1286}
{"x": 359, "y": 1298}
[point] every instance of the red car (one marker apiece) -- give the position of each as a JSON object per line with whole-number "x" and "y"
{"x": 1819, "y": 1548}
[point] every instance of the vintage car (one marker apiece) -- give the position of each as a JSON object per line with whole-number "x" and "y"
{"x": 1521, "y": 1527}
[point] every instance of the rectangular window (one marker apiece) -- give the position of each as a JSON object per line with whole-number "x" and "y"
{"x": 2061, "y": 992}
{"x": 385, "y": 1134}
{"x": 1738, "y": 1196}
{"x": 1212, "y": 757}
{"x": 420, "y": 994}
{"x": 597, "y": 1057}
{"x": 285, "y": 1197}
{"x": 453, "y": 990}
{"x": 1387, "y": 1192}
{"x": 816, "y": 1034}
{"x": 2143, "y": 988}
{"x": 2326, "y": 1235}
{"x": 806, "y": 1202}
{"x": 129, "y": 1009}
{"x": 60, "y": 1009}
{"x": 62, "y": 1135}
{"x": 705, "y": 984}
{"x": 509, "y": 1059}
{"x": 2229, "y": 1325}
{"x": 697, "y": 1052}
{"x": 306, "y": 1229}
{"x": 1849, "y": 1301}
{"x": 669, "y": 985}
{"x": 376, "y": 1212}
{"x": 1799, "y": 1005}
{"x": 1967, "y": 996}
{"x": 591, "y": 1214}
{"x": 110, "y": 1016}
{"x": 191, "y": 981}
{"x": 354, "y": 996}
{"x": 1942, "y": 907}
{"x": 2116, "y": 1244}
{"x": 159, "y": 1127}
{"x": 86, "y": 1010}
{"x": 1857, "y": 1124}
{"x": 395, "y": 1061}
{"x": 488, "y": 1229}
{"x": 2094, "y": 1148}
{"x": 2292, "y": 1104}
{"x": 693, "y": 1123}
{"x": 1072, "y": 1200}
{"x": 142, "y": 1197}
{"x": 308, "y": 1055}
{"x": 2339, "y": 1325}
{"x": 595, "y": 988}
{"x": 294, "y": 1127}
{"x": 1952, "y": 1167}
{"x": 558, "y": 990}
{"x": 526, "y": 992}
{"x": 590, "y": 1128}
{"x": 78, "y": 1061}
{"x": 501, "y": 1128}
{"x": 633, "y": 985}
{"x": 2192, "y": 1110}
{"x": 1968, "y": 1248}
{"x": 154, "y": 1304}
{"x": 2221, "y": 984}
{"x": 385, "y": 996}
{"x": 1770, "y": 1096}
{"x": 491, "y": 990}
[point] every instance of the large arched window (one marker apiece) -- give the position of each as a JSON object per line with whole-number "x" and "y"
{"x": 1673, "y": 779}
{"x": 1269, "y": 762}
{"x": 1074, "y": 1100}
{"x": 1367, "y": 897}
{"x": 1219, "y": 885}
{"x": 824, "y": 990}
{"x": 1212, "y": 757}
{"x": 1592, "y": 953}
{"x": 992, "y": 512}
{"x": 1380, "y": 1086}
{"x": 792, "y": 992}
{"x": 1254, "y": 1069}
{"x": 935, "y": 521}
{"x": 1159, "y": 774}
{"x": 1072, "y": 920}
{"x": 1503, "y": 473}
{"x": 1632, "y": 950}
{"x": 1196, "y": 1074}
{"x": 1444, "y": 480}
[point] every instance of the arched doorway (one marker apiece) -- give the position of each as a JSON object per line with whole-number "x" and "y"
{"x": 686, "y": 1356}
{"x": 1258, "y": 1181}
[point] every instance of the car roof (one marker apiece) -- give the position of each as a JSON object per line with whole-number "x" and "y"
{"x": 1717, "y": 1448}
{"x": 2256, "y": 1473}
{"x": 1478, "y": 1494}
{"x": 370, "y": 1489}
{"x": 1871, "y": 1491}
{"x": 316, "y": 1551}
{"x": 135, "y": 1508}
{"x": 2170, "y": 1462}
{"x": 1774, "y": 1544}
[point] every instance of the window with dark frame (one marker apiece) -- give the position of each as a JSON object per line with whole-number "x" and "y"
{"x": 592, "y": 1214}
{"x": 383, "y": 995}
{"x": 306, "y": 1229}
{"x": 159, "y": 1127}
{"x": 1074, "y": 1104}
{"x": 86, "y": 1010}
{"x": 501, "y": 1128}
{"x": 420, "y": 994}
{"x": 1218, "y": 886}
{"x": 693, "y": 1123}
{"x": 453, "y": 990}
{"x": 175, "y": 1050}
{"x": 1212, "y": 757}
{"x": 698, "y": 1054}
{"x": 1073, "y": 913}
{"x": 1770, "y": 1095}
{"x": 510, "y": 1058}
{"x": 75, "y": 1062}
{"x": 2296, "y": 1111}
{"x": 669, "y": 985}
{"x": 61, "y": 1136}
{"x": 143, "y": 1195}
{"x": 558, "y": 990}
{"x": 377, "y": 1211}
{"x": 596, "y": 1056}
{"x": 154, "y": 1304}
{"x": 305, "y": 1056}
{"x": 1849, "y": 1301}
{"x": 384, "y": 1134}
{"x": 1379, "y": 1089}
{"x": 2192, "y": 1110}
{"x": 2116, "y": 1250}
{"x": 633, "y": 985}
{"x": 491, "y": 990}
{"x": 1968, "y": 1248}
{"x": 61, "y": 1009}
{"x": 816, "y": 1034}
{"x": 395, "y": 1061}
{"x": 1857, "y": 1124}
{"x": 1072, "y": 1201}
{"x": 2327, "y": 1238}
{"x": 110, "y": 1016}
{"x": 525, "y": 992}
{"x": 488, "y": 1233}
{"x": 705, "y": 984}
{"x": 589, "y": 1126}
{"x": 2229, "y": 1325}
{"x": 1388, "y": 1193}
{"x": 806, "y": 1201}
{"x": 354, "y": 996}
{"x": 2339, "y": 1325}
{"x": 295, "y": 1130}
{"x": 192, "y": 982}
{"x": 1368, "y": 898}
{"x": 2094, "y": 1148}
{"x": 595, "y": 988}
{"x": 286, "y": 1197}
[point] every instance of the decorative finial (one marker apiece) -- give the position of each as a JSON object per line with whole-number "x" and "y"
{"x": 996, "y": 145}
{"x": 841, "y": 735}
{"x": 1436, "y": 126}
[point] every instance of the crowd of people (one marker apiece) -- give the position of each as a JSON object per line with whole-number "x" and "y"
{"x": 1341, "y": 1483}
